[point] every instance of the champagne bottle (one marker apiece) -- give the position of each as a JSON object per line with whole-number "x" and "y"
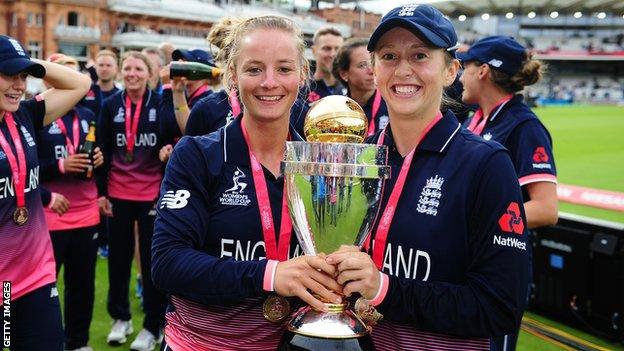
{"x": 193, "y": 70}
{"x": 88, "y": 148}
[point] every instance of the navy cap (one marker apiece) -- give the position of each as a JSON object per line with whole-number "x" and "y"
{"x": 500, "y": 52}
{"x": 195, "y": 55}
{"x": 14, "y": 59}
{"x": 425, "y": 21}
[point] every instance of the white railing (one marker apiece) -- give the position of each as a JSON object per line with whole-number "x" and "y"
{"x": 85, "y": 33}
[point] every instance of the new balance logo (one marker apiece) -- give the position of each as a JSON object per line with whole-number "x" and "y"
{"x": 175, "y": 200}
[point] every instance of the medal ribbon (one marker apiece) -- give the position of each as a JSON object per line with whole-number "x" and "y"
{"x": 131, "y": 133}
{"x": 72, "y": 147}
{"x": 18, "y": 166}
{"x": 383, "y": 228}
{"x": 273, "y": 251}
{"x": 376, "y": 105}
{"x": 234, "y": 104}
{"x": 477, "y": 124}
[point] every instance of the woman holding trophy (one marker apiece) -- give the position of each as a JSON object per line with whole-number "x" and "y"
{"x": 446, "y": 263}
{"x": 222, "y": 210}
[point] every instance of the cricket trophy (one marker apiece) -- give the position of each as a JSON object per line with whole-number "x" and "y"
{"x": 333, "y": 186}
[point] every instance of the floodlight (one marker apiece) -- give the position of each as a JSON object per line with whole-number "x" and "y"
{"x": 578, "y": 14}
{"x": 554, "y": 14}
{"x": 531, "y": 14}
{"x": 485, "y": 16}
{"x": 601, "y": 15}
{"x": 461, "y": 18}
{"x": 509, "y": 15}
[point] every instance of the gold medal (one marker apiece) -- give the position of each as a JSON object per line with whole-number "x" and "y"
{"x": 129, "y": 157}
{"x": 276, "y": 308}
{"x": 20, "y": 216}
{"x": 366, "y": 312}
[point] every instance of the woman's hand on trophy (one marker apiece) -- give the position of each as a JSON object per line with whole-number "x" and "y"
{"x": 356, "y": 271}
{"x": 295, "y": 276}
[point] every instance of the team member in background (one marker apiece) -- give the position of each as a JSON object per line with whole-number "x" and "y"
{"x": 131, "y": 141}
{"x": 27, "y": 262}
{"x": 353, "y": 68}
{"x": 74, "y": 234}
{"x": 452, "y": 208}
{"x": 175, "y": 105}
{"x": 325, "y": 44}
{"x": 213, "y": 181}
{"x": 496, "y": 70}
{"x": 106, "y": 67}
{"x": 219, "y": 108}
{"x": 157, "y": 61}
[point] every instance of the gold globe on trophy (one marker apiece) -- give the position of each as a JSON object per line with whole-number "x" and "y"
{"x": 333, "y": 185}
{"x": 335, "y": 119}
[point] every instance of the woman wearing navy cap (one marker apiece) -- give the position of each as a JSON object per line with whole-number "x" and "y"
{"x": 222, "y": 240}
{"x": 353, "y": 68}
{"x": 497, "y": 69}
{"x": 27, "y": 267}
{"x": 444, "y": 261}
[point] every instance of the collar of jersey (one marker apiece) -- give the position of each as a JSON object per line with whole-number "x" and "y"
{"x": 236, "y": 150}
{"x": 438, "y": 137}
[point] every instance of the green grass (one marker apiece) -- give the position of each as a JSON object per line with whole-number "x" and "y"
{"x": 589, "y": 150}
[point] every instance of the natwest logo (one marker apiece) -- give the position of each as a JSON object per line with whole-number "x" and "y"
{"x": 511, "y": 221}
{"x": 540, "y": 155}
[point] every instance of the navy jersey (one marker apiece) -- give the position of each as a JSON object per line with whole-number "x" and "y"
{"x": 27, "y": 258}
{"x": 514, "y": 125}
{"x": 457, "y": 246}
{"x": 82, "y": 194}
{"x": 209, "y": 114}
{"x": 93, "y": 100}
{"x": 380, "y": 119}
{"x": 169, "y": 129}
{"x": 208, "y": 248}
{"x": 319, "y": 89}
{"x": 106, "y": 94}
{"x": 138, "y": 179}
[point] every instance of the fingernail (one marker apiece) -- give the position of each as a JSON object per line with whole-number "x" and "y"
{"x": 329, "y": 260}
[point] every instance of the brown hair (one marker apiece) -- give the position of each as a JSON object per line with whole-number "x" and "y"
{"x": 136, "y": 55}
{"x": 324, "y": 31}
{"x": 342, "y": 62}
{"x": 530, "y": 73}
{"x": 236, "y": 36}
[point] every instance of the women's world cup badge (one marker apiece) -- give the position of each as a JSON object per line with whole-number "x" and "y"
{"x": 333, "y": 186}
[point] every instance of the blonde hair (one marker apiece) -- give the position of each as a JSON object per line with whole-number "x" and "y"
{"x": 247, "y": 26}
{"x": 136, "y": 55}
{"x": 106, "y": 53}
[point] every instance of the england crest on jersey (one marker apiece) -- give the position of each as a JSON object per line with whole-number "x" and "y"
{"x": 430, "y": 196}
{"x": 54, "y": 128}
{"x": 235, "y": 196}
{"x": 151, "y": 116}
{"x": 119, "y": 117}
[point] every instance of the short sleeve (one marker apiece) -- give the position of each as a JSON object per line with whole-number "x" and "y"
{"x": 530, "y": 146}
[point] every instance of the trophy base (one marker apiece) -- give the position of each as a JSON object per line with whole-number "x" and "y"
{"x": 338, "y": 329}
{"x": 296, "y": 342}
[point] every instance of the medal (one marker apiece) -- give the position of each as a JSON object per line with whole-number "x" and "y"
{"x": 18, "y": 165}
{"x": 367, "y": 313}
{"x": 276, "y": 308}
{"x": 20, "y": 216}
{"x": 132, "y": 124}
